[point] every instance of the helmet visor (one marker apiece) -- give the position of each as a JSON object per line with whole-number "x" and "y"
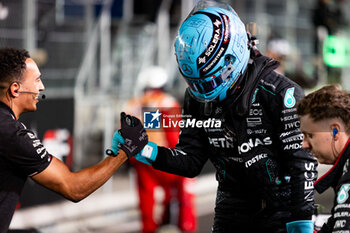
{"x": 205, "y": 86}
{"x": 209, "y": 84}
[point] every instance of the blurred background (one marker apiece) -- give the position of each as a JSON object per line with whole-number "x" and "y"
{"x": 91, "y": 52}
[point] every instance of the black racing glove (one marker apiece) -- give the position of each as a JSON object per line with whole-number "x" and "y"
{"x": 134, "y": 134}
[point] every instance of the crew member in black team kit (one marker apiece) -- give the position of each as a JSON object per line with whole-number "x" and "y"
{"x": 325, "y": 123}
{"x": 265, "y": 178}
{"x": 21, "y": 153}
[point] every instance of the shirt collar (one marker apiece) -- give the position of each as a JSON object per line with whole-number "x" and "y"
{"x": 334, "y": 173}
{"x": 8, "y": 109}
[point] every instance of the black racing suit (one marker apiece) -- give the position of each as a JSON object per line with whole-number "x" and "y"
{"x": 338, "y": 177}
{"x": 265, "y": 178}
{"x": 22, "y": 155}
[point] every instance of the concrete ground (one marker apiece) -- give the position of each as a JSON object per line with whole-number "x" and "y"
{"x": 113, "y": 209}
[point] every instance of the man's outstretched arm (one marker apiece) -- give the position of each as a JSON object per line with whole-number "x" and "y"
{"x": 75, "y": 186}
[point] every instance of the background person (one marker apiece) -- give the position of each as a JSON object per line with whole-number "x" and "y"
{"x": 291, "y": 66}
{"x": 265, "y": 178}
{"x": 279, "y": 49}
{"x": 325, "y": 123}
{"x": 21, "y": 153}
{"x": 176, "y": 188}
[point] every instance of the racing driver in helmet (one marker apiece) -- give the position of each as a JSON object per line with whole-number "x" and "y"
{"x": 265, "y": 179}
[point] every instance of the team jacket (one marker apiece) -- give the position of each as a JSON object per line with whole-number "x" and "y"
{"x": 258, "y": 144}
{"x": 22, "y": 155}
{"x": 338, "y": 177}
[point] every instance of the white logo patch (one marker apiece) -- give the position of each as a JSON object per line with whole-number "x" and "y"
{"x": 289, "y": 100}
{"x": 343, "y": 193}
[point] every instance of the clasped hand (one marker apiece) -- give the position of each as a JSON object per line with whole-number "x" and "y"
{"x": 131, "y": 138}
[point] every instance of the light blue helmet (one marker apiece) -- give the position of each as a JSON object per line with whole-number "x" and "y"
{"x": 212, "y": 51}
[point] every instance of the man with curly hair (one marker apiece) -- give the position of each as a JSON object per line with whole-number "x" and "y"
{"x": 21, "y": 153}
{"x": 325, "y": 123}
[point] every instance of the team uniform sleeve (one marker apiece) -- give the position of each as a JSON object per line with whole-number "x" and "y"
{"x": 28, "y": 155}
{"x": 190, "y": 154}
{"x": 186, "y": 159}
{"x": 299, "y": 164}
